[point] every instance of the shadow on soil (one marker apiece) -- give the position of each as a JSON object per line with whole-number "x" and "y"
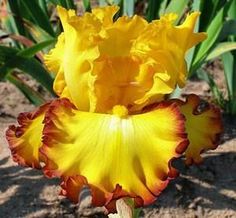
{"x": 207, "y": 186}
{"x": 23, "y": 196}
{"x": 210, "y": 186}
{"x": 229, "y": 127}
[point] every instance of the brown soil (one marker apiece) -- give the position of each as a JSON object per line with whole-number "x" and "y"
{"x": 208, "y": 190}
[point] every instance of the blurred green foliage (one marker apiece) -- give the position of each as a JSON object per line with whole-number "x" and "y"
{"x": 27, "y": 32}
{"x": 31, "y": 27}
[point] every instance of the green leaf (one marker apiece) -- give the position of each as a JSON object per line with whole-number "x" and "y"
{"x": 37, "y": 15}
{"x": 31, "y": 51}
{"x": 110, "y": 2}
{"x": 43, "y": 5}
{"x": 213, "y": 31}
{"x": 128, "y": 7}
{"x": 153, "y": 10}
{"x": 232, "y": 10}
{"x": 206, "y": 17}
{"x": 102, "y": 3}
{"x": 68, "y": 4}
{"x": 28, "y": 65}
{"x": 212, "y": 35}
{"x": 59, "y": 2}
{"x": 233, "y": 107}
{"x": 9, "y": 26}
{"x": 34, "y": 69}
{"x": 16, "y": 20}
{"x": 191, "y": 52}
{"x": 87, "y": 5}
{"x": 55, "y": 2}
{"x": 177, "y": 6}
{"x": 221, "y": 49}
{"x": 117, "y": 2}
{"x": 33, "y": 96}
{"x": 37, "y": 32}
{"x": 218, "y": 96}
{"x": 6, "y": 53}
{"x": 230, "y": 73}
{"x": 229, "y": 28}
{"x": 163, "y": 7}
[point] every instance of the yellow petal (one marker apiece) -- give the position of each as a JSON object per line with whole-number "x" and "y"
{"x": 59, "y": 84}
{"x": 185, "y": 35}
{"x": 101, "y": 62}
{"x": 184, "y": 38}
{"x": 53, "y": 60}
{"x": 173, "y": 41}
{"x": 120, "y": 36}
{"x": 150, "y": 60}
{"x": 118, "y": 89}
{"x": 80, "y": 50}
{"x": 26, "y": 139}
{"x": 110, "y": 151}
{"x": 203, "y": 128}
{"x": 155, "y": 77}
{"x": 106, "y": 14}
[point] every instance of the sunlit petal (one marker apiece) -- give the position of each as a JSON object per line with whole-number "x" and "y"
{"x": 26, "y": 139}
{"x": 106, "y": 14}
{"x": 80, "y": 50}
{"x": 108, "y": 151}
{"x": 141, "y": 62}
{"x": 53, "y": 60}
{"x": 203, "y": 128}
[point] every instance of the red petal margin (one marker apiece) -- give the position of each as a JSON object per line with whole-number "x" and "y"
{"x": 72, "y": 185}
{"x": 213, "y": 118}
{"x": 50, "y": 132}
{"x": 19, "y": 149}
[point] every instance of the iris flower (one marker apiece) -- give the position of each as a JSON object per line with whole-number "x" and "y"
{"x": 111, "y": 127}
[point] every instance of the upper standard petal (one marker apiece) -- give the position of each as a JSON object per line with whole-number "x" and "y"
{"x": 101, "y": 62}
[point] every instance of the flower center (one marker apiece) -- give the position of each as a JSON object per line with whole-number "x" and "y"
{"x": 120, "y": 111}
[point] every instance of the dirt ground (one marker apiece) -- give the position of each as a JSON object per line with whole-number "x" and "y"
{"x": 208, "y": 190}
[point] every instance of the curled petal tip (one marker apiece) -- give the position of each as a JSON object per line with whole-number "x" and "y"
{"x": 25, "y": 139}
{"x": 203, "y": 126}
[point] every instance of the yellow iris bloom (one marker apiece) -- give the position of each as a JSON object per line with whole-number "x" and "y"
{"x": 111, "y": 127}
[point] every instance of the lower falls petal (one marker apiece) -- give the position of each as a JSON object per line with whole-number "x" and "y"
{"x": 115, "y": 156}
{"x": 203, "y": 127}
{"x": 26, "y": 139}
